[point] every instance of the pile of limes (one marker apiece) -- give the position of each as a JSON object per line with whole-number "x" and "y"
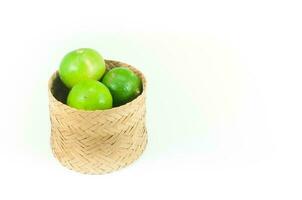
{"x": 83, "y": 71}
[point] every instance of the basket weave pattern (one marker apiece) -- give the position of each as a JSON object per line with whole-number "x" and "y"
{"x": 97, "y": 142}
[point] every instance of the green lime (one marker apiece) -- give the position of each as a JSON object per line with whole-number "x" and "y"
{"x": 81, "y": 64}
{"x": 123, "y": 84}
{"x": 90, "y": 95}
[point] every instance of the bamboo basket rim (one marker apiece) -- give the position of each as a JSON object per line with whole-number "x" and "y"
{"x": 134, "y": 101}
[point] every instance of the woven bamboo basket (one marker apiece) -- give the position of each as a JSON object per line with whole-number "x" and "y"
{"x": 96, "y": 142}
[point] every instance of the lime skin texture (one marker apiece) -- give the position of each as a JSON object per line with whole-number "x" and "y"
{"x": 90, "y": 95}
{"x": 123, "y": 84}
{"x": 81, "y": 64}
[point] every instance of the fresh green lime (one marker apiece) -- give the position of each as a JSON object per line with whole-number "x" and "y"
{"x": 81, "y": 64}
{"x": 90, "y": 95}
{"x": 123, "y": 84}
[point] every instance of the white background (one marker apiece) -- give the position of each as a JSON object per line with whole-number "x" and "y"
{"x": 224, "y": 98}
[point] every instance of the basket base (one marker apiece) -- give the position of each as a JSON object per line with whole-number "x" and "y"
{"x": 100, "y": 166}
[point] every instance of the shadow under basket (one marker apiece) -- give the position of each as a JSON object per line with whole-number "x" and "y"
{"x": 101, "y": 141}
